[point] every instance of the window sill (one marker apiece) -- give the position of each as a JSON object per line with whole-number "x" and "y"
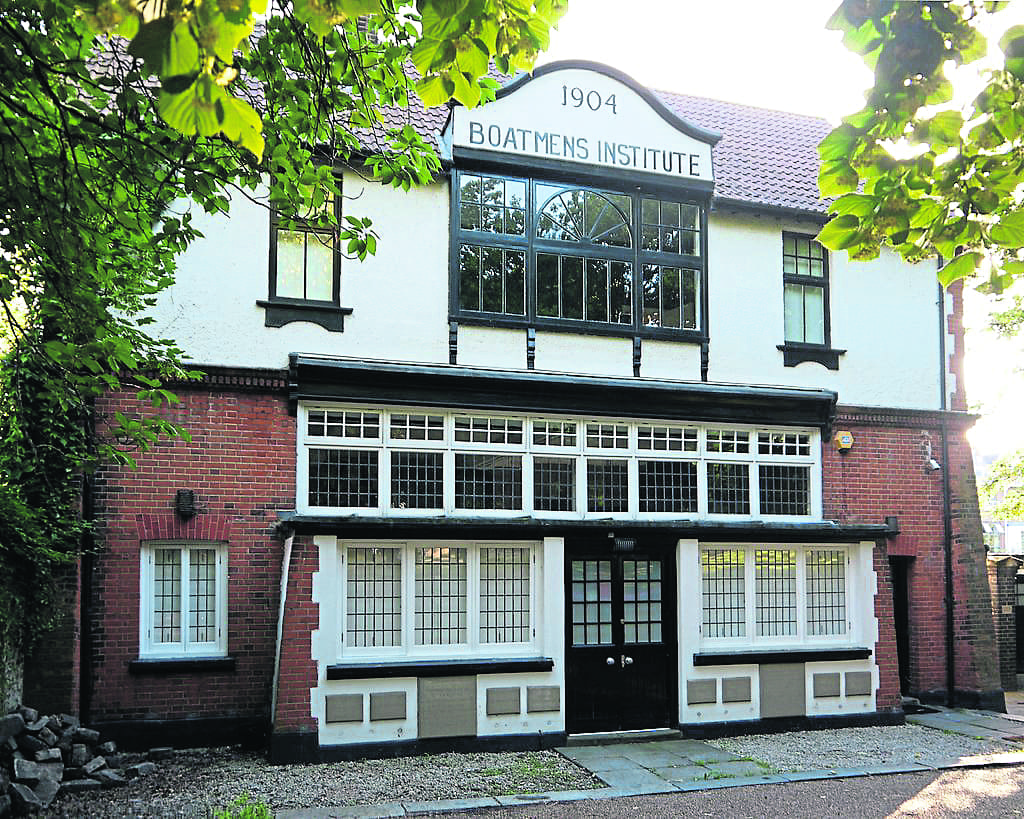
{"x": 280, "y": 312}
{"x": 794, "y": 353}
{"x": 792, "y": 655}
{"x": 437, "y": 668}
{"x": 580, "y": 327}
{"x": 180, "y": 665}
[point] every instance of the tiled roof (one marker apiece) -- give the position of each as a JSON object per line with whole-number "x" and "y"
{"x": 765, "y": 158}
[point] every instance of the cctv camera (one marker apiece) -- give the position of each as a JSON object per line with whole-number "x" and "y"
{"x": 934, "y": 465}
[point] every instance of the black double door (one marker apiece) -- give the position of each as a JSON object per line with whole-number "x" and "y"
{"x": 620, "y": 641}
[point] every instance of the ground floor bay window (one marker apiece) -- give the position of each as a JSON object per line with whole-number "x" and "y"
{"x": 773, "y": 593}
{"x": 435, "y": 599}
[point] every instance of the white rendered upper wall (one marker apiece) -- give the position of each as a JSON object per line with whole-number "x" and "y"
{"x": 564, "y": 122}
{"x": 883, "y": 313}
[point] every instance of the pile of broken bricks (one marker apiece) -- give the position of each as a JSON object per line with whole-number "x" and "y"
{"x": 41, "y": 756}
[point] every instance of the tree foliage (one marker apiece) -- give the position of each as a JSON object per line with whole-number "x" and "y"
{"x": 1002, "y": 493}
{"x": 118, "y": 119}
{"x": 952, "y": 183}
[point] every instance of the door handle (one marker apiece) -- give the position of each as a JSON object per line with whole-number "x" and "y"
{"x": 610, "y": 661}
{"x": 626, "y": 661}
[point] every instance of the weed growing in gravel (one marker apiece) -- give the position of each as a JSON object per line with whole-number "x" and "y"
{"x": 242, "y": 808}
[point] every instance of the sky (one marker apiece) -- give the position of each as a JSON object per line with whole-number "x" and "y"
{"x": 778, "y": 54}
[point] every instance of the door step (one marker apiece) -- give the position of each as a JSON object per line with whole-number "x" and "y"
{"x": 616, "y": 737}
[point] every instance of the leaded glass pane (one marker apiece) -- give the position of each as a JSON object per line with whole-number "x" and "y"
{"x": 775, "y": 584}
{"x": 441, "y": 598}
{"x": 417, "y": 480}
{"x": 784, "y": 490}
{"x": 343, "y": 477}
{"x": 505, "y": 595}
{"x": 607, "y": 485}
{"x": 373, "y": 598}
{"x": 554, "y": 484}
{"x": 167, "y": 596}
{"x": 488, "y": 481}
{"x": 728, "y": 489}
{"x": 826, "y": 592}
{"x": 723, "y": 593}
{"x": 668, "y": 486}
{"x": 202, "y": 595}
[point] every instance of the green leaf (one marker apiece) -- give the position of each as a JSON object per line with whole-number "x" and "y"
{"x": 959, "y": 268}
{"x": 943, "y": 130}
{"x": 182, "y": 55}
{"x": 856, "y": 203}
{"x": 151, "y": 42}
{"x": 837, "y": 177}
{"x": 240, "y": 123}
{"x": 840, "y": 233}
{"x": 432, "y": 92}
{"x": 1008, "y": 232}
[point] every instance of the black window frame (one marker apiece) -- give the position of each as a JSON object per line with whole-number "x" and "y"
{"x": 282, "y": 310}
{"x": 622, "y": 184}
{"x": 795, "y": 351}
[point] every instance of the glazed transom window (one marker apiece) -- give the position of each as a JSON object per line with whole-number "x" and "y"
{"x": 773, "y": 592}
{"x": 380, "y": 462}
{"x": 436, "y": 597}
{"x": 527, "y": 251}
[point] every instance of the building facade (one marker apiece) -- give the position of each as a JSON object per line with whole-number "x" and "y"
{"x": 600, "y": 439}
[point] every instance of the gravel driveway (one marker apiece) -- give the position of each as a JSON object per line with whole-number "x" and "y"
{"x": 858, "y": 747}
{"x": 192, "y": 783}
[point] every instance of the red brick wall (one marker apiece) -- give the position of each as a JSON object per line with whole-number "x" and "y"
{"x": 52, "y": 671}
{"x": 888, "y": 697}
{"x": 886, "y": 473}
{"x": 298, "y": 672}
{"x": 1002, "y": 580}
{"x": 241, "y": 465}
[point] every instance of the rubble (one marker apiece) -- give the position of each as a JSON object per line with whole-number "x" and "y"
{"x": 44, "y": 755}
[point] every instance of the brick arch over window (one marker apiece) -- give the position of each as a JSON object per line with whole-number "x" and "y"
{"x": 171, "y": 527}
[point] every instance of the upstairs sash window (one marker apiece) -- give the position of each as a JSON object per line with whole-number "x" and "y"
{"x": 532, "y": 252}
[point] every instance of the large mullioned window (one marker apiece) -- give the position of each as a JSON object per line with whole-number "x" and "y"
{"x": 785, "y": 593}
{"x": 434, "y": 598}
{"x": 564, "y": 255}
{"x": 377, "y": 461}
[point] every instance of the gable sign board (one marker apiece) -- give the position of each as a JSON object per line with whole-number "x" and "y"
{"x": 586, "y": 114}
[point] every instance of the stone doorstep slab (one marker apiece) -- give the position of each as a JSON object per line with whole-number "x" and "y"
{"x": 655, "y": 759}
{"x": 638, "y": 778}
{"x": 611, "y": 763}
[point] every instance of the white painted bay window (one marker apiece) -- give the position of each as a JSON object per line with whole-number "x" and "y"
{"x": 408, "y": 600}
{"x": 771, "y": 593}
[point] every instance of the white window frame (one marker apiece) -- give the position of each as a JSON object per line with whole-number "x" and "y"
{"x": 801, "y": 637}
{"x": 580, "y": 451}
{"x": 148, "y": 648}
{"x": 473, "y": 647}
